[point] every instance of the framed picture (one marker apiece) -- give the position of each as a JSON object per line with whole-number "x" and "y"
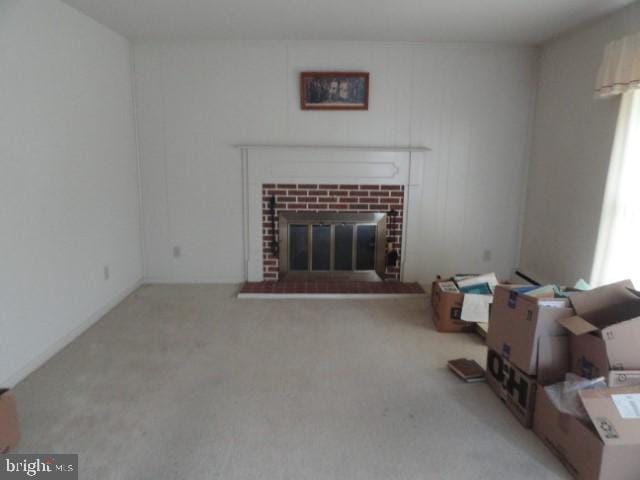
{"x": 334, "y": 90}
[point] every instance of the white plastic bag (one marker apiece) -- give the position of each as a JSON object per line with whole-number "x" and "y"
{"x": 565, "y": 397}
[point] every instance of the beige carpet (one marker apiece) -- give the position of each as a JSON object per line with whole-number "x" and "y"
{"x": 188, "y": 382}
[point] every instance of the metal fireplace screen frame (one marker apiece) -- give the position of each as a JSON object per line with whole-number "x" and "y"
{"x": 285, "y": 219}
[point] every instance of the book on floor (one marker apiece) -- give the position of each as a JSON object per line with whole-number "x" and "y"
{"x": 468, "y": 370}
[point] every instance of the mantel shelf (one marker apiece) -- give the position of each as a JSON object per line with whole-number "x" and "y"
{"x": 337, "y": 147}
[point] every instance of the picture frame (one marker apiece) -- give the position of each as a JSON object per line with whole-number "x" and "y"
{"x": 334, "y": 90}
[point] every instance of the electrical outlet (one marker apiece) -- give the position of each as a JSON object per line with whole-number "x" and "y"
{"x": 107, "y": 274}
{"x": 177, "y": 252}
{"x": 486, "y": 255}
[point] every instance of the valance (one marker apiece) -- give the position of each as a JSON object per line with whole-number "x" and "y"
{"x": 620, "y": 69}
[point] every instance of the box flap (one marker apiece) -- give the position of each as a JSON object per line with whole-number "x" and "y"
{"x": 592, "y": 300}
{"x": 621, "y": 342}
{"x": 615, "y": 314}
{"x": 589, "y": 357}
{"x": 607, "y": 409}
{"x": 577, "y": 325}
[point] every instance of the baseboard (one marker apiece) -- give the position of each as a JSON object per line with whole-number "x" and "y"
{"x": 193, "y": 280}
{"x": 61, "y": 343}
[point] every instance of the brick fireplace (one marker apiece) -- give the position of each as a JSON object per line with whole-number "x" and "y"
{"x": 350, "y": 189}
{"x": 338, "y": 198}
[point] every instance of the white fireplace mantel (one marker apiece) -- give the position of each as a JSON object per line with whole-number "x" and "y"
{"x": 331, "y": 164}
{"x": 337, "y": 147}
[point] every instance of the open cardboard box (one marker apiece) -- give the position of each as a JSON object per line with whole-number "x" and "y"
{"x": 447, "y": 308}
{"x": 605, "y": 331}
{"x": 607, "y": 448}
{"x": 518, "y": 322}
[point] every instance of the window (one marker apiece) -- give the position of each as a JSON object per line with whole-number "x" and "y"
{"x": 618, "y": 249}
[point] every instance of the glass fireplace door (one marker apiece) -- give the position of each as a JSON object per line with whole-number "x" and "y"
{"x": 343, "y": 247}
{"x": 321, "y": 248}
{"x": 299, "y": 247}
{"x": 366, "y": 247}
{"x": 332, "y": 242}
{"x": 324, "y": 248}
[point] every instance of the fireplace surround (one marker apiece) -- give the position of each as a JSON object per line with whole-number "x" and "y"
{"x": 332, "y": 178}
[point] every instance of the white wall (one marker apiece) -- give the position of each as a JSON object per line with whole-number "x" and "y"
{"x": 68, "y": 182}
{"x": 573, "y": 139}
{"x": 471, "y": 104}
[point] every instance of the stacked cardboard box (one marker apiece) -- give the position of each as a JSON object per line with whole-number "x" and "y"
{"x": 538, "y": 337}
{"x": 607, "y": 446}
{"x": 604, "y": 342}
{"x": 526, "y": 345}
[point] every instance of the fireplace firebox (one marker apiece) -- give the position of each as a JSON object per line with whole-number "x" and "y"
{"x": 332, "y": 242}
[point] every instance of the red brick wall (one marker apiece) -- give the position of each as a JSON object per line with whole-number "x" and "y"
{"x": 331, "y": 198}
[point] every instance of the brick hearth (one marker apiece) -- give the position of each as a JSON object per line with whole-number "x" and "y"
{"x": 335, "y": 287}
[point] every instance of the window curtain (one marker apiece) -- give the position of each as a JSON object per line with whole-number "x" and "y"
{"x": 618, "y": 247}
{"x": 620, "y": 68}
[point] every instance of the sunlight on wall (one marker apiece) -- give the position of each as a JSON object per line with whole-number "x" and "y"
{"x": 618, "y": 248}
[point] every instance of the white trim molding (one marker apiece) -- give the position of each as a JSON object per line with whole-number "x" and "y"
{"x": 296, "y": 164}
{"x": 364, "y": 148}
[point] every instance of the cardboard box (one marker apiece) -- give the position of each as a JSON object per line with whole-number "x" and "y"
{"x": 9, "y": 431}
{"x": 605, "y": 331}
{"x": 513, "y": 387}
{"x": 447, "y": 307}
{"x": 608, "y": 449}
{"x": 625, "y": 378}
{"x": 517, "y": 324}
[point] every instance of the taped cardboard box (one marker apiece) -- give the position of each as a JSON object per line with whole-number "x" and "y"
{"x": 447, "y": 308}
{"x": 9, "y": 431}
{"x": 607, "y": 448}
{"x": 516, "y": 388}
{"x": 605, "y": 331}
{"x": 519, "y": 321}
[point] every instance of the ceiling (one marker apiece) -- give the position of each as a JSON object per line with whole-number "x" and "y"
{"x": 504, "y": 21}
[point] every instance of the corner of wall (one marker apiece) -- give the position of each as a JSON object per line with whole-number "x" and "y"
{"x": 136, "y": 128}
{"x": 529, "y": 153}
